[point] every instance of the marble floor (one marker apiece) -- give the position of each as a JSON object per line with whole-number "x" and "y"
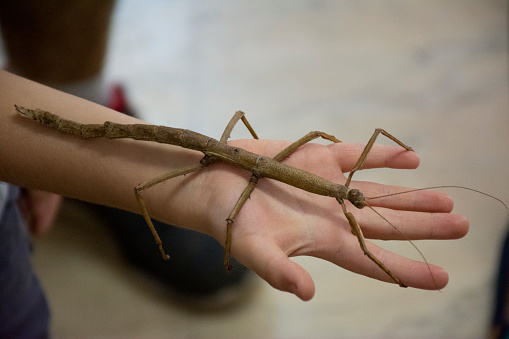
{"x": 434, "y": 73}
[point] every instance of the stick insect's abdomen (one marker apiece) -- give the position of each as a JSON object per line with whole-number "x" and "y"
{"x": 111, "y": 130}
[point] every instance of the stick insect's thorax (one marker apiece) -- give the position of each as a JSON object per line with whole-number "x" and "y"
{"x": 266, "y": 167}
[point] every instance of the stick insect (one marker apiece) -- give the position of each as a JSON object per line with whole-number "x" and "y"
{"x": 217, "y": 150}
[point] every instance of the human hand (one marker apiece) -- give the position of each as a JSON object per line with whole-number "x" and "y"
{"x": 39, "y": 209}
{"x": 280, "y": 221}
{"x": 277, "y": 222}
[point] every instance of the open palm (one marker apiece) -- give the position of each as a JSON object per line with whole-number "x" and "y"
{"x": 280, "y": 221}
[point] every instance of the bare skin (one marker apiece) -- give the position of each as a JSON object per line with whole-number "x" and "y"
{"x": 278, "y": 222}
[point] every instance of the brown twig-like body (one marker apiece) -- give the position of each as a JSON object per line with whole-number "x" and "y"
{"x": 217, "y": 150}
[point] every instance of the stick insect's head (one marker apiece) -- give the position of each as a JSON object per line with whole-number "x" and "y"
{"x": 356, "y": 198}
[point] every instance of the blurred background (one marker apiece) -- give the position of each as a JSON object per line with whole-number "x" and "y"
{"x": 433, "y": 73}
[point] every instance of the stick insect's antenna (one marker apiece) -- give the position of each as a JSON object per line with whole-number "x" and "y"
{"x": 444, "y": 186}
{"x": 411, "y": 243}
{"x": 422, "y": 189}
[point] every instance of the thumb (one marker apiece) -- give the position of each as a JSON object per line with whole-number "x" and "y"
{"x": 274, "y": 266}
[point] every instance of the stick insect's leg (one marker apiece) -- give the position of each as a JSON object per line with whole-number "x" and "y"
{"x": 239, "y": 115}
{"x": 368, "y": 147}
{"x": 231, "y": 219}
{"x": 304, "y": 140}
{"x": 252, "y": 183}
{"x": 146, "y": 185}
{"x": 356, "y": 230}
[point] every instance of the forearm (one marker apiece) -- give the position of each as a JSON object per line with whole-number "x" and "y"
{"x": 97, "y": 170}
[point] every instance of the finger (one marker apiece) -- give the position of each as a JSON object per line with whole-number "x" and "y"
{"x": 387, "y": 196}
{"x": 403, "y": 225}
{"x": 274, "y": 266}
{"x": 45, "y": 211}
{"x": 380, "y": 156}
{"x": 411, "y": 273}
